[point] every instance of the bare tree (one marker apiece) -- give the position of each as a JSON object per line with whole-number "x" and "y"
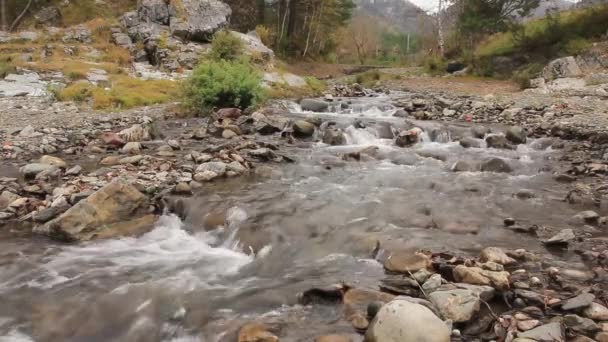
{"x": 440, "y": 29}
{"x": 18, "y": 20}
{"x": 3, "y": 14}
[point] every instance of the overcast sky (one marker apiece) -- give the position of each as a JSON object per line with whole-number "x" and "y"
{"x": 427, "y": 5}
{"x": 431, "y": 5}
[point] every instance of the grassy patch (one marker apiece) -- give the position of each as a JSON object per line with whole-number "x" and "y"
{"x": 126, "y": 92}
{"x": 87, "y": 10}
{"x": 6, "y": 67}
{"x": 314, "y": 87}
{"x": 560, "y": 34}
{"x": 368, "y": 77}
{"x": 116, "y": 54}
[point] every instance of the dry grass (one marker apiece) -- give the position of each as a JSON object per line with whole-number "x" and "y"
{"x": 125, "y": 92}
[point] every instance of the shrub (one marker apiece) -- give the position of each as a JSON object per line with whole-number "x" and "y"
{"x": 316, "y": 86}
{"x": 435, "y": 66}
{"x": 369, "y": 77}
{"x": 6, "y": 67}
{"x": 265, "y": 34}
{"x": 223, "y": 84}
{"x": 523, "y": 77}
{"x": 226, "y": 46}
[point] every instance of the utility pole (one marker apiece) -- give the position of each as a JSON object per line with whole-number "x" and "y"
{"x": 440, "y": 29}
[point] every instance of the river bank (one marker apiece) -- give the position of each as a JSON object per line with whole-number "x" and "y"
{"x": 245, "y": 212}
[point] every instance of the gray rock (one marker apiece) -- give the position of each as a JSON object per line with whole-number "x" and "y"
{"x": 303, "y": 129}
{"x": 561, "y": 238}
{"x": 23, "y": 85}
{"x": 403, "y": 321}
{"x": 49, "y": 15}
{"x": 464, "y": 166}
{"x": 581, "y": 325}
{"x": 79, "y": 34}
{"x": 32, "y": 170}
{"x": 49, "y": 213}
{"x": 334, "y": 136}
{"x": 496, "y": 165}
{"x": 589, "y": 216}
{"x": 551, "y": 332}
{"x": 314, "y": 105}
{"x": 385, "y": 130}
{"x": 432, "y": 283}
{"x": 198, "y": 20}
{"x": 409, "y": 137}
{"x": 498, "y": 141}
{"x": 480, "y": 132}
{"x": 496, "y": 255}
{"x": 115, "y": 202}
{"x": 517, "y": 135}
{"x": 596, "y": 312}
{"x": 218, "y": 168}
{"x": 27, "y": 132}
{"x": 562, "y": 67}
{"x": 373, "y": 308}
{"x": 401, "y": 113}
{"x": 458, "y": 305}
{"x": 578, "y": 302}
{"x": 470, "y": 142}
{"x": 542, "y": 143}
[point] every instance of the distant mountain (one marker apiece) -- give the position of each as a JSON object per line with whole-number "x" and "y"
{"x": 400, "y": 14}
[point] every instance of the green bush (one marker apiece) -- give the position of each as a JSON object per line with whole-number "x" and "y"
{"x": 435, "y": 66}
{"x": 223, "y": 84}
{"x": 523, "y": 77}
{"x": 226, "y": 46}
{"x": 316, "y": 86}
{"x": 368, "y": 78}
{"x": 6, "y": 67}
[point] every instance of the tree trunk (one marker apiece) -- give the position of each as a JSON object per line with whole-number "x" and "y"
{"x": 3, "y": 18}
{"x": 293, "y": 15}
{"x": 16, "y": 22}
{"x": 440, "y": 30}
{"x": 261, "y": 12}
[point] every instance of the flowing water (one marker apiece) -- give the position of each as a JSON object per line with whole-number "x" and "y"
{"x": 311, "y": 223}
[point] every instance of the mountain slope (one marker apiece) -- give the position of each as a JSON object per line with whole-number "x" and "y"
{"x": 400, "y": 14}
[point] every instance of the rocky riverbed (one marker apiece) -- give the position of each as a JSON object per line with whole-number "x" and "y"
{"x": 376, "y": 215}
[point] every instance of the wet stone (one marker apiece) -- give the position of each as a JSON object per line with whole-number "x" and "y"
{"x": 578, "y": 302}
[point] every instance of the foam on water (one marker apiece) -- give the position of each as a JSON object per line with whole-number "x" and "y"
{"x": 15, "y": 336}
{"x": 168, "y": 248}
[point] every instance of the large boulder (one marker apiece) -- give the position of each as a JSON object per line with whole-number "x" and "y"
{"x": 193, "y": 20}
{"x": 406, "y": 262}
{"x": 517, "y": 135}
{"x": 155, "y": 11}
{"x": 459, "y": 305}
{"x": 94, "y": 216}
{"x": 49, "y": 15}
{"x": 496, "y": 165}
{"x": 498, "y": 141}
{"x": 334, "y": 136}
{"x": 562, "y": 67}
{"x": 198, "y": 20}
{"x": 313, "y": 105}
{"x": 303, "y": 129}
{"x": 403, "y": 321}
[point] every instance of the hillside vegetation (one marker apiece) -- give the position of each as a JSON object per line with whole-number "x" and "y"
{"x": 536, "y": 42}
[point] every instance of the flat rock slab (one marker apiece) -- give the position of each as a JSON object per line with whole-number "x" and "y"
{"x": 578, "y": 302}
{"x": 23, "y": 85}
{"x": 551, "y": 332}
